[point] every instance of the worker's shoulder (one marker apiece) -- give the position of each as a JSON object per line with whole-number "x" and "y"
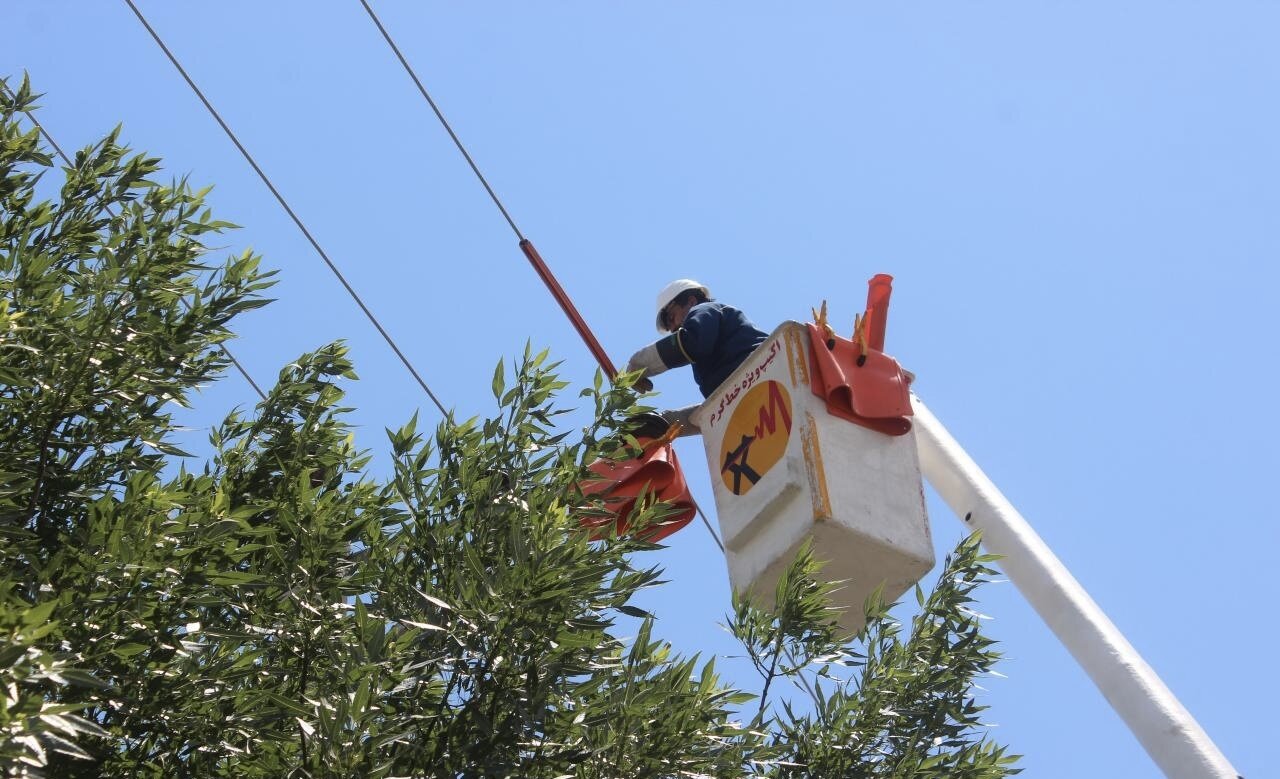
{"x": 715, "y": 308}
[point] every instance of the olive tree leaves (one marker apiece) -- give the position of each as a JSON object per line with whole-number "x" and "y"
{"x": 287, "y": 610}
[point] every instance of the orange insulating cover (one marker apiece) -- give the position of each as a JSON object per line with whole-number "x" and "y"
{"x": 860, "y": 382}
{"x": 879, "y": 289}
{"x": 873, "y": 395}
{"x": 657, "y": 472}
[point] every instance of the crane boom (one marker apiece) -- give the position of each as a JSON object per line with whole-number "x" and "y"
{"x": 1168, "y": 732}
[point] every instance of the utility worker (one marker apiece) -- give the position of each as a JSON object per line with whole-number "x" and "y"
{"x": 713, "y": 337}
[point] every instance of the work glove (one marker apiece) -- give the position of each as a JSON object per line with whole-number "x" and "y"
{"x": 647, "y": 360}
{"x": 649, "y": 363}
{"x": 683, "y": 416}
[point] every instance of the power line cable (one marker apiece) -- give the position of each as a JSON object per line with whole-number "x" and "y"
{"x": 63, "y": 155}
{"x": 525, "y": 245}
{"x": 285, "y": 205}
{"x": 440, "y": 115}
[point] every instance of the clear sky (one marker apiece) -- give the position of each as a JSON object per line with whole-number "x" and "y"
{"x": 1078, "y": 202}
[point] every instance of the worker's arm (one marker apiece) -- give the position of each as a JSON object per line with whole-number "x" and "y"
{"x": 659, "y": 356}
{"x": 690, "y": 344}
{"x": 697, "y": 337}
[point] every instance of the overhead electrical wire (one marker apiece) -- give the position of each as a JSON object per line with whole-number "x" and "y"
{"x": 440, "y": 115}
{"x": 285, "y": 205}
{"x": 525, "y": 245}
{"x": 63, "y": 155}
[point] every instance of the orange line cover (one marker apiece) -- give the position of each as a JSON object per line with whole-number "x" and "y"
{"x": 621, "y": 483}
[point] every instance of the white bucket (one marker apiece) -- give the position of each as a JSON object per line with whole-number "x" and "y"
{"x": 784, "y": 470}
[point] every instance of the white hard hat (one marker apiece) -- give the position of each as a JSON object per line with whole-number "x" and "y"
{"x": 674, "y": 290}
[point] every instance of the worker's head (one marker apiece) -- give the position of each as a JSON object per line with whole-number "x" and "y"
{"x": 675, "y": 300}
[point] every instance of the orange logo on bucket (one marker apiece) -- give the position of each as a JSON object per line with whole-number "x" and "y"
{"x": 756, "y": 437}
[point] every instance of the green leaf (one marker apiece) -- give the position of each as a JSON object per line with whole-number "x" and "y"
{"x": 83, "y": 679}
{"x": 499, "y": 382}
{"x": 38, "y": 614}
{"x": 13, "y": 378}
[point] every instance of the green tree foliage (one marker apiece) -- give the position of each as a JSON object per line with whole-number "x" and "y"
{"x": 283, "y": 611}
{"x": 881, "y": 706}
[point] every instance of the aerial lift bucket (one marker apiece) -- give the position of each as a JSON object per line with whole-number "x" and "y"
{"x": 806, "y": 442}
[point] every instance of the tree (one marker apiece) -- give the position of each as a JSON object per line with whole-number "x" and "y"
{"x": 282, "y": 610}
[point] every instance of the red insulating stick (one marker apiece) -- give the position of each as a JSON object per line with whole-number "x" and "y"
{"x": 566, "y": 305}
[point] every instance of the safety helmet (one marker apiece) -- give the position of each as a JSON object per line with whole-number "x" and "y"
{"x": 674, "y": 290}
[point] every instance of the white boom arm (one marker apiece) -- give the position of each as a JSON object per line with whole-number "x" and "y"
{"x": 1173, "y": 739}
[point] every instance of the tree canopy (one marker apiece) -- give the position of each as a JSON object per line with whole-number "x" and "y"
{"x": 281, "y": 609}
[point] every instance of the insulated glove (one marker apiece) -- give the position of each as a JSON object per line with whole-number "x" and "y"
{"x": 684, "y": 416}
{"x": 647, "y": 360}
{"x": 649, "y": 363}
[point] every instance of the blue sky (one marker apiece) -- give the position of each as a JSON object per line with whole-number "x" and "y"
{"x": 1078, "y": 203}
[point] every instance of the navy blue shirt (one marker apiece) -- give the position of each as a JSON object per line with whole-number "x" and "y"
{"x": 715, "y": 338}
